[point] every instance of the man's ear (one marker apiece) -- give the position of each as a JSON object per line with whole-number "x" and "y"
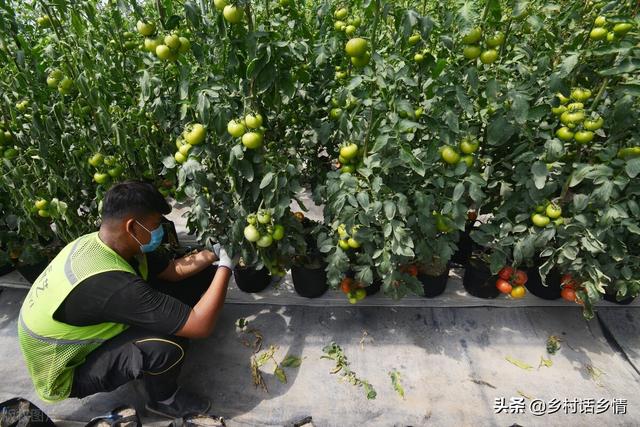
{"x": 128, "y": 225}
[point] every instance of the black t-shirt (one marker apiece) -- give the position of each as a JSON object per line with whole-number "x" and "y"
{"x": 120, "y": 297}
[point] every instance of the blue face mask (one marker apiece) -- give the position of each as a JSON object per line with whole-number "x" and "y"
{"x": 156, "y": 239}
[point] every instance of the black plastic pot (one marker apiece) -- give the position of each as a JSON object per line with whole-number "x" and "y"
{"x": 612, "y": 298}
{"x": 465, "y": 248}
{"x": 309, "y": 282}
{"x": 478, "y": 280}
{"x": 434, "y": 285}
{"x": 6, "y": 269}
{"x": 534, "y": 283}
{"x": 373, "y": 288}
{"x": 32, "y": 271}
{"x": 251, "y": 280}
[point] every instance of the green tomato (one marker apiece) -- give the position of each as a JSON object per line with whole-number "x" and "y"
{"x": 558, "y": 110}
{"x": 563, "y": 99}
{"x": 414, "y": 39}
{"x": 278, "y": 232}
{"x": 489, "y": 56}
{"x": 339, "y": 25}
{"x": 145, "y": 28}
{"x": 471, "y": 52}
{"x": 115, "y": 172}
{"x": 150, "y": 44}
{"x": 553, "y": 211}
{"x": 52, "y": 82}
{"x": 469, "y": 145}
{"x": 360, "y": 61}
{"x": 598, "y": 33}
{"x": 600, "y": 21}
{"x": 353, "y": 243}
{"x": 41, "y": 204}
{"x": 350, "y": 30}
{"x": 219, "y": 4}
{"x": 472, "y": 36}
{"x": 235, "y": 129}
{"x": 469, "y": 160}
{"x": 96, "y": 160}
{"x": 163, "y": 52}
{"x": 253, "y": 121}
{"x": 360, "y": 294}
{"x": 540, "y": 220}
{"x": 335, "y": 113}
{"x": 251, "y": 233}
{"x": 341, "y": 13}
{"x": 101, "y": 178}
{"x": 44, "y": 213}
{"x": 265, "y": 241}
{"x": 564, "y": 134}
{"x": 196, "y": 135}
{"x": 184, "y": 149}
{"x": 232, "y": 14}
{"x": 172, "y": 40}
{"x": 449, "y": 155}
{"x": 496, "y": 40}
{"x": 179, "y": 157}
{"x": 252, "y": 140}
{"x": 264, "y": 217}
{"x": 185, "y": 45}
{"x": 418, "y": 57}
{"x": 10, "y": 154}
{"x": 593, "y": 124}
{"x": 344, "y": 245}
{"x": 583, "y": 136}
{"x": 349, "y": 151}
{"x": 418, "y": 112}
{"x": 622, "y": 28}
{"x": 356, "y": 47}
{"x": 580, "y": 94}
{"x": 347, "y": 169}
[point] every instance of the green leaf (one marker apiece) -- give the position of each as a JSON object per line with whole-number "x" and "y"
{"x": 628, "y": 65}
{"x": 499, "y": 131}
{"x": 368, "y": 388}
{"x": 540, "y": 172}
{"x": 632, "y": 168}
{"x": 458, "y": 191}
{"x": 291, "y": 362}
{"x": 363, "y": 199}
{"x": 580, "y": 202}
{"x": 389, "y": 209}
{"x": 567, "y": 65}
{"x": 266, "y": 180}
{"x": 519, "y": 363}
{"x": 279, "y": 373}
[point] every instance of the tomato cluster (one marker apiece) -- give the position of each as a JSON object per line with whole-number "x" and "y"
{"x": 262, "y": 230}
{"x": 354, "y": 290}
{"x": 511, "y": 281}
{"x": 249, "y": 129}
{"x": 472, "y": 49}
{"x": 577, "y": 123}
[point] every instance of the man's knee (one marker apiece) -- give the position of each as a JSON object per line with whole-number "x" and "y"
{"x": 162, "y": 353}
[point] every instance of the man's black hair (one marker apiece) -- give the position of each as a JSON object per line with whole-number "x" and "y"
{"x": 133, "y": 198}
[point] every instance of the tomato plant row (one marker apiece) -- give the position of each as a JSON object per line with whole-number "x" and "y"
{"x": 407, "y": 121}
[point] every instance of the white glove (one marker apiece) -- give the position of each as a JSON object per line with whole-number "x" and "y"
{"x": 224, "y": 260}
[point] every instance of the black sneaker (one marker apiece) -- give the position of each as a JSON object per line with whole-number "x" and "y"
{"x": 184, "y": 403}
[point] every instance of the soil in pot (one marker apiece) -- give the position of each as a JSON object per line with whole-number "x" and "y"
{"x": 534, "y": 283}
{"x": 251, "y": 280}
{"x": 434, "y": 285}
{"x": 612, "y": 298}
{"x": 478, "y": 280}
{"x": 309, "y": 281}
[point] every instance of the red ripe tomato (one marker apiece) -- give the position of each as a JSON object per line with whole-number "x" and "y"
{"x": 519, "y": 278}
{"x": 568, "y": 281}
{"x": 412, "y": 270}
{"x": 506, "y": 273}
{"x": 346, "y": 285}
{"x": 569, "y": 294}
{"x": 503, "y": 286}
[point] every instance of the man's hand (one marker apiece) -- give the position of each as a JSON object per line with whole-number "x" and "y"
{"x": 224, "y": 260}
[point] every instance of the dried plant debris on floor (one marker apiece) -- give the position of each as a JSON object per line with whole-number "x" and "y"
{"x": 519, "y": 363}
{"x": 259, "y": 360}
{"x": 334, "y": 352}
{"x": 395, "y": 382}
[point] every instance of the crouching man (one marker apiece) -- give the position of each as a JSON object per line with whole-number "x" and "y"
{"x": 108, "y": 310}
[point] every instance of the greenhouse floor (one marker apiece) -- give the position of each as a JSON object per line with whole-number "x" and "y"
{"x": 457, "y": 356}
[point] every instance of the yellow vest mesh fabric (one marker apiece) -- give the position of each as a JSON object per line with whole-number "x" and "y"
{"x": 53, "y": 349}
